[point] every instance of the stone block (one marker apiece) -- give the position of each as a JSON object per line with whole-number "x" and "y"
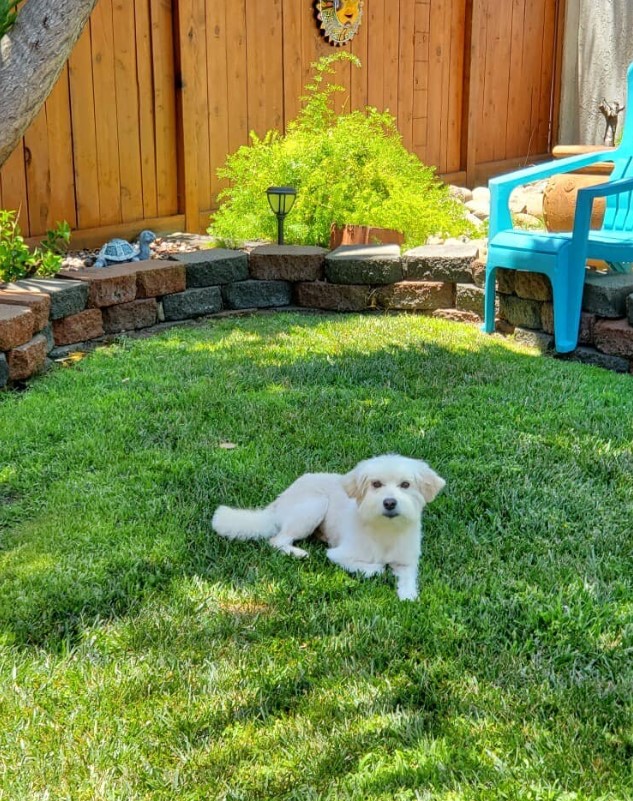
{"x": 605, "y": 294}
{"x": 85, "y": 325}
{"x": 505, "y": 280}
{"x": 50, "y": 337}
{"x": 614, "y": 337}
{"x": 520, "y": 312}
{"x": 213, "y": 267}
{"x": 67, "y": 296}
{"x": 107, "y": 286}
{"x": 597, "y": 359}
{"x": 192, "y": 303}
{"x": 629, "y": 308}
{"x": 254, "y": 294}
{"x": 456, "y": 316}
{"x": 332, "y": 297}
{"x": 4, "y": 371}
{"x": 130, "y": 316}
{"x": 156, "y": 277}
{"x": 450, "y": 262}
{"x": 585, "y": 331}
{"x": 364, "y": 264}
{"x": 532, "y": 286}
{"x": 469, "y": 298}
{"x": 287, "y": 263}
{"x": 38, "y": 303}
{"x": 534, "y": 339}
{"x": 478, "y": 271}
{"x": 416, "y": 295}
{"x": 28, "y": 359}
{"x": 17, "y": 326}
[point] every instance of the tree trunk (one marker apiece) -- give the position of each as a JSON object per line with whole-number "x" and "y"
{"x": 32, "y": 56}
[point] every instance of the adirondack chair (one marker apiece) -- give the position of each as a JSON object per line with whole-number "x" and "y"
{"x": 562, "y": 256}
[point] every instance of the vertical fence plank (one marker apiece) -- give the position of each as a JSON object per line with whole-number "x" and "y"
{"x": 217, "y": 14}
{"x": 84, "y": 133}
{"x": 147, "y": 133}
{"x": 62, "y": 200}
{"x": 405, "y": 72}
{"x": 376, "y": 53}
{"x": 13, "y": 187}
{"x": 127, "y": 111}
{"x": 237, "y": 75}
{"x": 187, "y": 64}
{"x": 164, "y": 105}
{"x": 292, "y": 67}
{"x": 105, "y": 110}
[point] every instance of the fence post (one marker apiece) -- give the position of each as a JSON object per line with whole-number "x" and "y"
{"x": 186, "y": 43}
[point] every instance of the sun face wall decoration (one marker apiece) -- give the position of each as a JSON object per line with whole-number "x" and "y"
{"x": 340, "y": 19}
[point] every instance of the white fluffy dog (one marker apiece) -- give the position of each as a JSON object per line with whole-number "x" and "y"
{"x": 369, "y": 517}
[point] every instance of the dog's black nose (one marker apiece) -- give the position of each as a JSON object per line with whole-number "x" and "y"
{"x": 390, "y": 504}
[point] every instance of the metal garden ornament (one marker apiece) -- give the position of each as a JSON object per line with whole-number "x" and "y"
{"x": 340, "y": 19}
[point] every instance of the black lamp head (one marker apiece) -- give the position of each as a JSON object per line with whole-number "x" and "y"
{"x": 281, "y": 199}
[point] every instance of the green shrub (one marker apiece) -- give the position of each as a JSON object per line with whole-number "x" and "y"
{"x": 17, "y": 260}
{"x": 8, "y": 14}
{"x": 347, "y": 168}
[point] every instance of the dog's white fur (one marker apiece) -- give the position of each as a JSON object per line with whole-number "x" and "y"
{"x": 370, "y": 517}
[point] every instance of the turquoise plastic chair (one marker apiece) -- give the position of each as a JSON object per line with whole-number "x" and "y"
{"x": 562, "y": 256}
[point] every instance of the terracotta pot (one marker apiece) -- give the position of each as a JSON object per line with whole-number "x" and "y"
{"x": 363, "y": 235}
{"x": 559, "y": 199}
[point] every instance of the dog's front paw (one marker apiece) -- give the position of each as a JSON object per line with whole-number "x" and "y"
{"x": 407, "y": 594}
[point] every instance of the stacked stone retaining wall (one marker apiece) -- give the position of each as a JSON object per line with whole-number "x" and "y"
{"x": 42, "y": 319}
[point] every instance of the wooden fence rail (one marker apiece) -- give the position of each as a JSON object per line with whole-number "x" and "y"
{"x": 158, "y": 92}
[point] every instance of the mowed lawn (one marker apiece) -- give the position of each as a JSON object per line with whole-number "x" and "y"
{"x": 141, "y": 657}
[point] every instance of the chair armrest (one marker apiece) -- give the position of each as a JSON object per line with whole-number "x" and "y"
{"x": 501, "y": 187}
{"x": 607, "y": 188}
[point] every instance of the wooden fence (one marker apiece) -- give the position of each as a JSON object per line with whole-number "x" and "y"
{"x": 158, "y": 92}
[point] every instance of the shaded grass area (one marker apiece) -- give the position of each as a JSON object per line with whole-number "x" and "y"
{"x": 143, "y": 658}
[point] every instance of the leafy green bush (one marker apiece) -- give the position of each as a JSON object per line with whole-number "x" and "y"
{"x": 348, "y": 168}
{"x": 17, "y": 260}
{"x": 8, "y": 14}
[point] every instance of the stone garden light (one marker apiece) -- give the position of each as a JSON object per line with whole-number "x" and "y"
{"x": 281, "y": 200}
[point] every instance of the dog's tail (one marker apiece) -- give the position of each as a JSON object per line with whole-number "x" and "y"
{"x": 244, "y": 524}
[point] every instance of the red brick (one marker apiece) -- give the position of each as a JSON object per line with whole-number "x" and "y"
{"x": 614, "y": 337}
{"x": 38, "y": 303}
{"x": 17, "y": 326}
{"x": 130, "y": 316}
{"x": 156, "y": 277}
{"x": 108, "y": 285}
{"x": 28, "y": 359}
{"x": 80, "y": 327}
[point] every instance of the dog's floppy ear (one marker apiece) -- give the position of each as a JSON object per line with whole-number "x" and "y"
{"x": 355, "y": 484}
{"x": 429, "y": 483}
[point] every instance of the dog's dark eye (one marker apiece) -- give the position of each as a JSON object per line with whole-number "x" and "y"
{"x": 376, "y": 484}
{"x": 405, "y": 485}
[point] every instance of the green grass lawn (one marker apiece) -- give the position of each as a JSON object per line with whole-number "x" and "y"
{"x": 141, "y": 657}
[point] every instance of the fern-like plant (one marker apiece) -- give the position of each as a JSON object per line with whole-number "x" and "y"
{"x": 349, "y": 168}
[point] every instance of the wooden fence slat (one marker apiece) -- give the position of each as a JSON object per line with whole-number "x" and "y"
{"x": 84, "y": 133}
{"x": 62, "y": 200}
{"x": 164, "y": 105}
{"x": 13, "y": 187}
{"x": 237, "y": 75}
{"x": 200, "y": 80}
{"x": 292, "y": 53}
{"x": 106, "y": 113}
{"x": 188, "y": 64}
{"x": 127, "y": 111}
{"x": 376, "y": 52}
{"x": 147, "y": 133}
{"x": 405, "y": 72}
{"x": 217, "y": 88}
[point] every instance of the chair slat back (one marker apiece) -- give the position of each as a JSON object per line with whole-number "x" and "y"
{"x": 619, "y": 210}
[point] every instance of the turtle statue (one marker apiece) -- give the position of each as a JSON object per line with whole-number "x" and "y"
{"x": 118, "y": 251}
